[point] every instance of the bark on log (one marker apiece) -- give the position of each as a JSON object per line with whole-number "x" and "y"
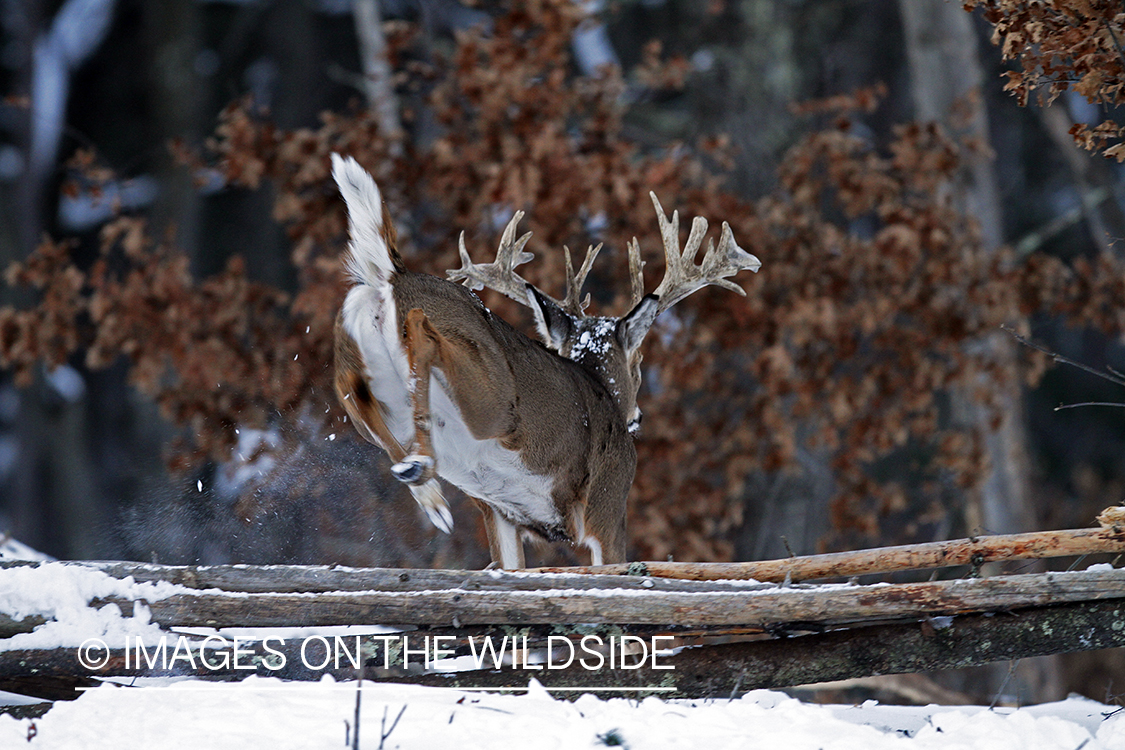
{"x": 707, "y": 672}
{"x": 974, "y": 551}
{"x": 727, "y": 670}
{"x": 10, "y": 627}
{"x": 822, "y": 605}
{"x": 446, "y": 598}
{"x": 314, "y": 579}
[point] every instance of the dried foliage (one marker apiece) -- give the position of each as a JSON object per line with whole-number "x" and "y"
{"x": 1065, "y": 45}
{"x": 849, "y": 337}
{"x": 196, "y": 347}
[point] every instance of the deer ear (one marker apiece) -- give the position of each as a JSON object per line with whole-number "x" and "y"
{"x": 631, "y": 329}
{"x": 554, "y": 324}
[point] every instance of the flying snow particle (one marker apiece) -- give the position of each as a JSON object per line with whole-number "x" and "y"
{"x": 199, "y": 484}
{"x": 332, "y": 436}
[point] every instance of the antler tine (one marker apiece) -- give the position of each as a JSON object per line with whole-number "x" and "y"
{"x": 573, "y": 304}
{"x": 682, "y": 276}
{"x": 636, "y": 272}
{"x": 499, "y": 275}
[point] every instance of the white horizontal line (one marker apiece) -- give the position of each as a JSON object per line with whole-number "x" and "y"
{"x": 352, "y": 686}
{"x": 567, "y": 689}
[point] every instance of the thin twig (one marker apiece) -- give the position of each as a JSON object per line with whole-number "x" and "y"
{"x": 1111, "y": 376}
{"x": 1060, "y": 407}
{"x": 358, "y": 694}
{"x": 383, "y": 731}
{"x": 1007, "y": 678}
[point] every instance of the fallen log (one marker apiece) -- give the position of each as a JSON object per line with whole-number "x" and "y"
{"x": 822, "y": 604}
{"x": 727, "y": 670}
{"x": 456, "y": 598}
{"x": 974, "y": 551}
{"x": 707, "y": 672}
{"x": 315, "y": 579}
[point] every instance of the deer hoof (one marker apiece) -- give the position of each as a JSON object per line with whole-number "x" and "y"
{"x": 414, "y": 469}
{"x": 428, "y": 494}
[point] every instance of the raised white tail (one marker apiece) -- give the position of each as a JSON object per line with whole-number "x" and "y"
{"x": 369, "y": 259}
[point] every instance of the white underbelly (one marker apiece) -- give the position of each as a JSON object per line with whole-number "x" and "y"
{"x": 486, "y": 470}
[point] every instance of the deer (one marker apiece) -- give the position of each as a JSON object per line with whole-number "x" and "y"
{"x": 538, "y": 434}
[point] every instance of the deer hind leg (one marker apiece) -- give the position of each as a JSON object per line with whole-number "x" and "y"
{"x": 367, "y": 415}
{"x": 366, "y": 412}
{"x": 422, "y": 343}
{"x": 504, "y": 543}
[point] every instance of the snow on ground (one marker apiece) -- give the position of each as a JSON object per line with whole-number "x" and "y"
{"x": 266, "y": 712}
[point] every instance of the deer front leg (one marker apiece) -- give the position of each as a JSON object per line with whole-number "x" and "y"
{"x": 603, "y": 529}
{"x": 422, "y": 343}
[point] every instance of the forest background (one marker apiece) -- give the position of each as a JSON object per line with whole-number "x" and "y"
{"x": 174, "y": 235}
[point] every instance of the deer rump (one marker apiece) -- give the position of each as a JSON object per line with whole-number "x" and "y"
{"x": 538, "y": 434}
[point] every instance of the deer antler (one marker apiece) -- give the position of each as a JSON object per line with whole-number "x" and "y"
{"x": 500, "y": 275}
{"x": 572, "y": 304}
{"x": 636, "y": 272}
{"x": 681, "y": 276}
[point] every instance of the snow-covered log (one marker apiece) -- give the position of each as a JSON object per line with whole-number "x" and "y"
{"x": 444, "y": 598}
{"x": 712, "y": 671}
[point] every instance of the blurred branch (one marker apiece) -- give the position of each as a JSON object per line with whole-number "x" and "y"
{"x": 378, "y": 77}
{"x": 1093, "y": 179}
{"x": 1111, "y": 375}
{"x": 1088, "y": 210}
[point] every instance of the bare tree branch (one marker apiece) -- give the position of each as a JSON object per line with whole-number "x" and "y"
{"x": 378, "y": 76}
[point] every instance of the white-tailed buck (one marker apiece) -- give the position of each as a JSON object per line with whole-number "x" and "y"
{"x": 539, "y": 435}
